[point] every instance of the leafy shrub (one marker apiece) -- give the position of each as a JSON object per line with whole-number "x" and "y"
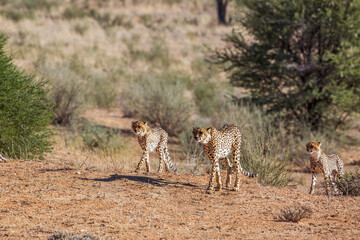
{"x": 295, "y": 213}
{"x": 349, "y": 184}
{"x": 320, "y": 90}
{"x": 159, "y": 99}
{"x": 25, "y": 111}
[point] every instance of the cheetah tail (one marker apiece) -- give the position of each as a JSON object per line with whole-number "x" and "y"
{"x": 171, "y": 164}
{"x": 246, "y": 173}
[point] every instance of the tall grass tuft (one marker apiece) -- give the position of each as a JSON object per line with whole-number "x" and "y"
{"x": 349, "y": 184}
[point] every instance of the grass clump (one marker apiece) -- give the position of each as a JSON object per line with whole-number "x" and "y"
{"x": 295, "y": 213}
{"x": 64, "y": 235}
{"x": 101, "y": 137}
{"x": 159, "y": 99}
{"x": 105, "y": 20}
{"x": 349, "y": 184}
{"x": 17, "y": 10}
{"x": 25, "y": 111}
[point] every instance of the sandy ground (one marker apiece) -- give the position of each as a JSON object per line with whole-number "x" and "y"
{"x": 40, "y": 198}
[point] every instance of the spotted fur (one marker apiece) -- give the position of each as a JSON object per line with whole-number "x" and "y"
{"x": 330, "y": 166}
{"x": 218, "y": 145}
{"x": 152, "y": 139}
{"x": 2, "y": 159}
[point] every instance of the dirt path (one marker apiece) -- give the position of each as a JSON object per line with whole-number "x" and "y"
{"x": 39, "y": 198}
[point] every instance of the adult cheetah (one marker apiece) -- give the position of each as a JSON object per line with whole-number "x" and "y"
{"x": 217, "y": 145}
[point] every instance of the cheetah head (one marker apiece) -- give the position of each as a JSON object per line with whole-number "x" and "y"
{"x": 313, "y": 147}
{"x": 139, "y": 127}
{"x": 201, "y": 135}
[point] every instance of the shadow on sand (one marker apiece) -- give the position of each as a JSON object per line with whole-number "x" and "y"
{"x": 160, "y": 182}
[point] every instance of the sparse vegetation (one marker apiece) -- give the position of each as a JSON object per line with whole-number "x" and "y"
{"x": 63, "y": 235}
{"x": 159, "y": 99}
{"x": 66, "y": 91}
{"x": 349, "y": 184}
{"x": 295, "y": 213}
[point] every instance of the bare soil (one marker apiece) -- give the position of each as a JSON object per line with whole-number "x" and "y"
{"x": 39, "y": 198}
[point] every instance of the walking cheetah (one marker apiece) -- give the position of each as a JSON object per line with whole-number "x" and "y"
{"x": 151, "y": 139}
{"x": 330, "y": 166}
{"x": 217, "y": 145}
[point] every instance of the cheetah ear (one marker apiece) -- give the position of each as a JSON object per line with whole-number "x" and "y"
{"x": 208, "y": 130}
{"x": 319, "y": 143}
{"x": 146, "y": 123}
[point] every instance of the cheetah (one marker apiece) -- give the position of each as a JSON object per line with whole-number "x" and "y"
{"x": 151, "y": 139}
{"x": 217, "y": 145}
{"x": 330, "y": 166}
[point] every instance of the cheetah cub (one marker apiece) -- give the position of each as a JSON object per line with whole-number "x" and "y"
{"x": 218, "y": 144}
{"x": 330, "y": 166}
{"x": 151, "y": 139}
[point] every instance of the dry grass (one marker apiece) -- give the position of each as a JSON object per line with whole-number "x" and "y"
{"x": 295, "y": 213}
{"x": 63, "y": 235}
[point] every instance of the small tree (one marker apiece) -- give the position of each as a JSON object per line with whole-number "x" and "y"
{"x": 302, "y": 61}
{"x": 25, "y": 111}
{"x": 221, "y": 6}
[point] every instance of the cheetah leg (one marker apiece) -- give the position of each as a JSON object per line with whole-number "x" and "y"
{"x": 160, "y": 151}
{"x": 327, "y": 183}
{"x": 313, "y": 182}
{"x": 236, "y": 156}
{"x": 210, "y": 189}
{"x": 162, "y": 154}
{"x": 332, "y": 179}
{"x": 167, "y": 159}
{"x": 218, "y": 177}
{"x": 228, "y": 164}
{"x": 144, "y": 157}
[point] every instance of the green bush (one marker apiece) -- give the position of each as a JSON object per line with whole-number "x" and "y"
{"x": 301, "y": 62}
{"x": 349, "y": 184}
{"x": 25, "y": 111}
{"x": 159, "y": 99}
